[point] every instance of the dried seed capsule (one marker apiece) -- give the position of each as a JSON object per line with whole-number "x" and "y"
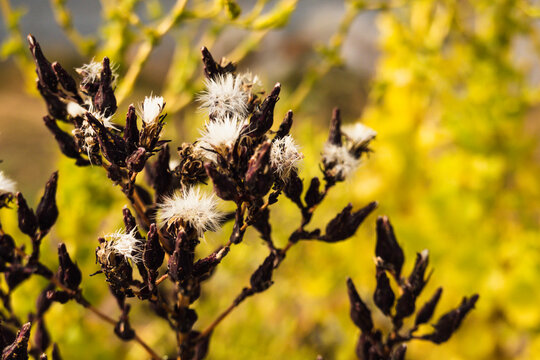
{"x": 65, "y": 141}
{"x": 262, "y": 277}
{"x": 387, "y": 247}
{"x": 416, "y": 279}
{"x": 334, "y": 135}
{"x": 285, "y": 126}
{"x": 131, "y": 132}
{"x": 360, "y": 314}
{"x": 47, "y": 211}
{"x": 383, "y": 296}
{"x": 313, "y": 196}
{"x": 28, "y": 222}
{"x": 258, "y": 176}
{"x": 56, "y": 353}
{"x": 68, "y": 272}
{"x": 105, "y": 101}
{"x": 153, "y": 254}
{"x": 46, "y": 75}
{"x": 345, "y": 224}
{"x": 426, "y": 312}
{"x": 67, "y": 81}
{"x": 18, "y": 350}
{"x": 136, "y": 161}
{"x": 405, "y": 306}
{"x": 293, "y": 189}
{"x": 224, "y": 187}
{"x": 263, "y": 119}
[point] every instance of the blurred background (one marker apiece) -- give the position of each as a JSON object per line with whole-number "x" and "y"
{"x": 452, "y": 87}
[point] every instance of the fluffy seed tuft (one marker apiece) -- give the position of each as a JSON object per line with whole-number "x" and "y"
{"x": 285, "y": 156}
{"x": 6, "y": 184}
{"x": 151, "y": 108}
{"x": 125, "y": 244}
{"x": 225, "y": 96}
{"x": 359, "y": 134}
{"x": 191, "y": 208}
{"x": 340, "y": 160}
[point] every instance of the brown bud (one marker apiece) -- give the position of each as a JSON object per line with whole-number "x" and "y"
{"x": 334, "y": 136}
{"x": 285, "y": 126}
{"x": 416, "y": 279}
{"x": 262, "y": 120}
{"x": 105, "y": 101}
{"x": 405, "y": 306}
{"x": 262, "y": 277}
{"x": 131, "y": 132}
{"x": 56, "y": 353}
{"x": 47, "y": 211}
{"x": 360, "y": 314}
{"x": 313, "y": 196}
{"x": 224, "y": 187}
{"x": 68, "y": 272}
{"x": 46, "y": 75}
{"x": 28, "y": 222}
{"x": 136, "y": 161}
{"x": 258, "y": 176}
{"x": 18, "y": 350}
{"x": 67, "y": 81}
{"x": 383, "y": 296}
{"x": 426, "y": 312}
{"x": 345, "y": 224}
{"x": 153, "y": 254}
{"x": 387, "y": 247}
{"x": 293, "y": 189}
{"x": 65, "y": 141}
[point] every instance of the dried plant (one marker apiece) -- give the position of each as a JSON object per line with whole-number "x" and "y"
{"x": 249, "y": 165}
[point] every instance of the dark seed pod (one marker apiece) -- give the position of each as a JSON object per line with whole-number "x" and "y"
{"x": 43, "y": 302}
{"x": 258, "y": 176}
{"x": 416, "y": 279}
{"x": 293, "y": 189}
{"x": 153, "y": 254}
{"x": 213, "y": 69}
{"x": 387, "y": 247}
{"x": 360, "y": 314}
{"x": 104, "y": 100}
{"x": 262, "y": 277}
{"x": 46, "y": 75}
{"x": 313, "y": 196}
{"x": 56, "y": 353}
{"x": 18, "y": 350}
{"x": 334, "y": 135}
{"x": 285, "y": 126}
{"x": 263, "y": 119}
{"x": 224, "y": 186}
{"x": 383, "y": 296}
{"x": 426, "y": 312}
{"x": 345, "y": 224}
{"x": 68, "y": 272}
{"x": 136, "y": 161}
{"x": 47, "y": 211}
{"x": 405, "y": 306}
{"x": 131, "y": 132}
{"x": 204, "y": 268}
{"x": 28, "y": 222}
{"x": 65, "y": 141}
{"x": 67, "y": 81}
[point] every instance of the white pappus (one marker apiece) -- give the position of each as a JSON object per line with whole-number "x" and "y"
{"x": 285, "y": 156}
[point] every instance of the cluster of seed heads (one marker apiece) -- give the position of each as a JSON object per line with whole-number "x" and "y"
{"x": 169, "y": 211}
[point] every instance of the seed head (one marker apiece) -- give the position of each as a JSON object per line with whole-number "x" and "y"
{"x": 220, "y": 134}
{"x": 125, "y": 244}
{"x": 91, "y": 72}
{"x": 75, "y": 109}
{"x": 339, "y": 160}
{"x": 224, "y": 96}
{"x": 191, "y": 208}
{"x": 285, "y": 156}
{"x": 359, "y": 134}
{"x": 6, "y": 184}
{"x": 150, "y": 110}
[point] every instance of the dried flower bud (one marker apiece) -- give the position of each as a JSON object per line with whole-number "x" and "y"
{"x": 263, "y": 119}
{"x": 68, "y": 272}
{"x": 224, "y": 187}
{"x": 7, "y": 248}
{"x": 159, "y": 173}
{"x": 449, "y": 322}
{"x": 56, "y": 353}
{"x": 181, "y": 261}
{"x": 55, "y": 107}
{"x": 262, "y": 277}
{"x": 383, "y": 296}
{"x": 204, "y": 268}
{"x": 258, "y": 177}
{"x": 131, "y": 133}
{"x": 285, "y": 126}
{"x": 153, "y": 254}
{"x": 104, "y": 100}
{"x": 213, "y": 69}
{"x": 360, "y": 314}
{"x": 416, "y": 280}
{"x": 334, "y": 135}
{"x": 43, "y": 302}
{"x": 46, "y": 75}
{"x": 426, "y": 312}
{"x": 65, "y": 141}
{"x": 313, "y": 195}
{"x": 28, "y": 222}
{"x": 67, "y": 81}
{"x": 46, "y": 211}
{"x": 405, "y": 306}
{"x": 293, "y": 189}
{"x": 136, "y": 161}
{"x": 345, "y": 224}
{"x": 18, "y": 350}
{"x": 387, "y": 248}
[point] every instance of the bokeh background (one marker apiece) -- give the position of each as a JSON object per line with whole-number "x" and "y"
{"x": 452, "y": 87}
